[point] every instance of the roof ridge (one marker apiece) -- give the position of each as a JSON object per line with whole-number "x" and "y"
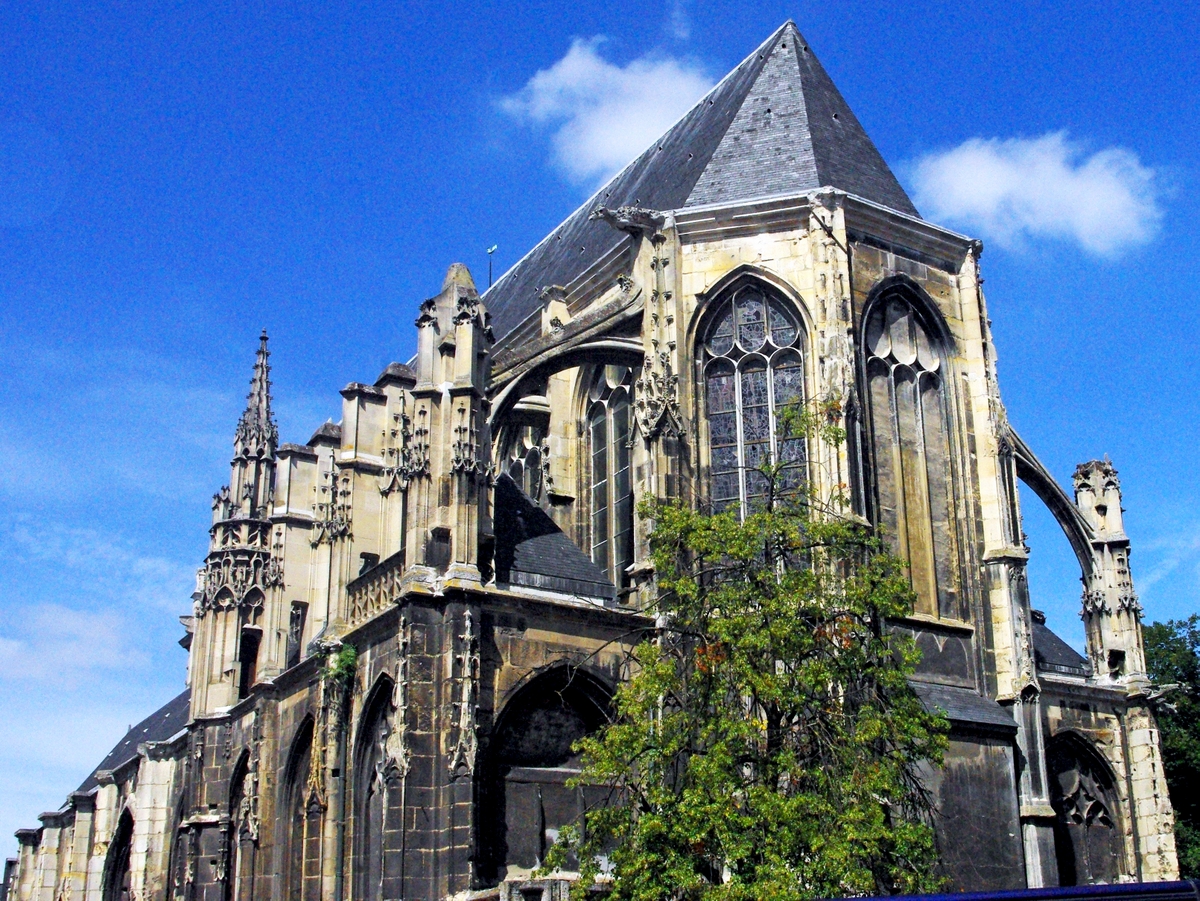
{"x": 589, "y": 205}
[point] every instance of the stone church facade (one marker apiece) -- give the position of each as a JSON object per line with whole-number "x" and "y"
{"x": 404, "y": 623}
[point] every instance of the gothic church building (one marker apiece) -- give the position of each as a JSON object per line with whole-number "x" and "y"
{"x": 470, "y": 530}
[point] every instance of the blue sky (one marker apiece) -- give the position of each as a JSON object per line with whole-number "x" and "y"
{"x": 175, "y": 177}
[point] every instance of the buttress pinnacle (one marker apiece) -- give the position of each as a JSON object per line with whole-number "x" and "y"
{"x": 256, "y": 430}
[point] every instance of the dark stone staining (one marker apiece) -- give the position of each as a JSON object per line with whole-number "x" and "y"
{"x": 1087, "y": 837}
{"x": 523, "y": 797}
{"x": 977, "y": 820}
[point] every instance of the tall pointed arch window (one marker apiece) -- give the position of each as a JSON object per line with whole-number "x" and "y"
{"x": 906, "y": 390}
{"x": 609, "y": 427}
{"x": 753, "y": 354}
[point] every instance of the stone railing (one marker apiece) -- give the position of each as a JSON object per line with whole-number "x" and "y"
{"x": 375, "y": 590}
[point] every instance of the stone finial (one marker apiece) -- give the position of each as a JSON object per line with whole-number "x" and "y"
{"x": 458, "y": 275}
{"x": 256, "y": 430}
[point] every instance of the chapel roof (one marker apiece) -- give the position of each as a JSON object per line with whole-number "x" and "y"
{"x": 1051, "y": 653}
{"x": 162, "y": 724}
{"x": 775, "y": 125}
{"x": 532, "y": 551}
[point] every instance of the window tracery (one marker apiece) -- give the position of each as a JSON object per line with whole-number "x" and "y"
{"x": 906, "y": 391}
{"x": 753, "y": 368}
{"x": 609, "y": 422}
{"x": 525, "y": 458}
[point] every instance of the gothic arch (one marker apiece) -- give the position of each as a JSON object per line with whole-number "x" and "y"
{"x": 117, "y": 870}
{"x": 372, "y": 777}
{"x": 737, "y": 277}
{"x": 1088, "y": 839}
{"x": 301, "y": 842}
{"x": 605, "y": 466}
{"x": 908, "y": 388}
{"x": 750, "y": 342}
{"x": 520, "y": 783}
{"x": 243, "y": 833}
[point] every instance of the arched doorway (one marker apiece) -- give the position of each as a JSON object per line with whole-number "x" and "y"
{"x": 117, "y": 871}
{"x": 523, "y": 798}
{"x": 1087, "y": 834}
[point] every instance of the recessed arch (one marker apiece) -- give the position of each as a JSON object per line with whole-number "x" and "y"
{"x": 907, "y": 375}
{"x": 526, "y": 761}
{"x": 928, "y": 312}
{"x": 300, "y": 826}
{"x": 118, "y": 875}
{"x": 372, "y": 776}
{"x": 739, "y": 276}
{"x": 1088, "y": 838}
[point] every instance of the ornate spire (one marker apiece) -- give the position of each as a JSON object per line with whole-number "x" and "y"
{"x": 256, "y": 430}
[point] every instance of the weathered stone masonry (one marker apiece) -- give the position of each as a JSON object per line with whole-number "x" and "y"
{"x": 470, "y": 530}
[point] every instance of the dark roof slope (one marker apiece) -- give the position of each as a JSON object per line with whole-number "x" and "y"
{"x": 1052, "y": 654}
{"x": 961, "y": 705}
{"x": 532, "y": 551}
{"x": 774, "y": 125}
{"x": 158, "y": 726}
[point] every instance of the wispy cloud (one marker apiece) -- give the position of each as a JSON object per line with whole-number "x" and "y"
{"x": 113, "y": 568}
{"x": 53, "y": 643}
{"x": 1017, "y": 190}
{"x": 602, "y": 114}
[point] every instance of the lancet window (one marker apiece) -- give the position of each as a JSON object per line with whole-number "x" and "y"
{"x": 906, "y": 389}
{"x": 609, "y": 423}
{"x": 753, "y": 369}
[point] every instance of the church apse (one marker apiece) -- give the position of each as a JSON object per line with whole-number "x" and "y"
{"x": 403, "y": 624}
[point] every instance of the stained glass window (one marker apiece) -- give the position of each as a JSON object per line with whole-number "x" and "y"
{"x": 754, "y": 367}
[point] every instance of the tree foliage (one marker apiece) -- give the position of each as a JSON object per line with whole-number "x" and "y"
{"x": 1173, "y": 658}
{"x": 768, "y": 744}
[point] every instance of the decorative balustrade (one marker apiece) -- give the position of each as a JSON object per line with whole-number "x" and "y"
{"x": 375, "y": 590}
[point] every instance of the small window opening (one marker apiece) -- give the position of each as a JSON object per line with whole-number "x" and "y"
{"x": 295, "y": 637}
{"x": 251, "y": 638}
{"x": 1116, "y": 664}
{"x": 437, "y": 550}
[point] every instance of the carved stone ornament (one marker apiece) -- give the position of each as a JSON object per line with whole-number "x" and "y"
{"x": 656, "y": 397}
{"x": 632, "y": 220}
{"x": 1128, "y": 602}
{"x": 464, "y": 451}
{"x": 466, "y": 667}
{"x": 333, "y": 507}
{"x": 395, "y": 745}
{"x": 406, "y": 453}
{"x": 1095, "y": 602}
{"x": 237, "y": 577}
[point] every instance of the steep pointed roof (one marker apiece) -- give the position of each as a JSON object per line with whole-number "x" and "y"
{"x": 775, "y": 125}
{"x": 257, "y": 425}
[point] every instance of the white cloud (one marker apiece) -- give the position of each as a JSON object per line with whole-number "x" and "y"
{"x": 603, "y": 114}
{"x": 1018, "y": 190}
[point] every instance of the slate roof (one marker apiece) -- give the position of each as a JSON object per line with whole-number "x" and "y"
{"x": 961, "y": 705}
{"x": 532, "y": 551}
{"x": 775, "y": 125}
{"x": 158, "y": 726}
{"x": 1052, "y": 654}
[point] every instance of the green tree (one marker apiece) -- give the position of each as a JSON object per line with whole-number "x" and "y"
{"x": 1173, "y": 658}
{"x": 768, "y": 744}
